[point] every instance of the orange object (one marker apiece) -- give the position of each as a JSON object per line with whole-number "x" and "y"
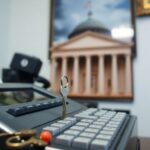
{"x": 46, "y": 136}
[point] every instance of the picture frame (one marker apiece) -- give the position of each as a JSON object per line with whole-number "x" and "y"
{"x": 143, "y": 7}
{"x": 73, "y": 23}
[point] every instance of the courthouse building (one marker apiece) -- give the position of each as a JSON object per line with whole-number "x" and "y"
{"x": 97, "y": 65}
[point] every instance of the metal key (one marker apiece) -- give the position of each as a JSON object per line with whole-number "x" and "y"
{"x": 23, "y": 140}
{"x": 64, "y": 89}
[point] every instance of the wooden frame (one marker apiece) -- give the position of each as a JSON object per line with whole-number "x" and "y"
{"x": 143, "y": 7}
{"x": 122, "y": 17}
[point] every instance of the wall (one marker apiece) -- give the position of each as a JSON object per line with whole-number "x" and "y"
{"x": 28, "y": 33}
{"x": 4, "y": 30}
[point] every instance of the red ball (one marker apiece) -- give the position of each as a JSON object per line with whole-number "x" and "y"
{"x": 46, "y": 136}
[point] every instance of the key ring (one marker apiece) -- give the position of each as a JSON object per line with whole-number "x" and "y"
{"x": 17, "y": 142}
{"x": 64, "y": 89}
{"x": 64, "y": 82}
{"x": 23, "y": 139}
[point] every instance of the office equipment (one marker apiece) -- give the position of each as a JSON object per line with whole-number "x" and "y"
{"x": 91, "y": 129}
{"x": 24, "y": 69}
{"x": 25, "y": 63}
{"x": 83, "y": 128}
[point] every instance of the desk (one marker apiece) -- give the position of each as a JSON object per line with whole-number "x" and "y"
{"x": 145, "y": 143}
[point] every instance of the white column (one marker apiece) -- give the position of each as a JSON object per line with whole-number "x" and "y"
{"x": 64, "y": 66}
{"x": 114, "y": 75}
{"x": 76, "y": 75}
{"x": 128, "y": 74}
{"x": 53, "y": 72}
{"x": 88, "y": 75}
{"x": 101, "y": 72}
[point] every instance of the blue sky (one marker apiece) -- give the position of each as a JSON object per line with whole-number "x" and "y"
{"x": 69, "y": 13}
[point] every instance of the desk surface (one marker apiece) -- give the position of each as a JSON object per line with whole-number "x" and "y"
{"x": 145, "y": 143}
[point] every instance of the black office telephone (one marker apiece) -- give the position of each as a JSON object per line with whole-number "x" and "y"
{"x": 44, "y": 112}
{"x": 24, "y": 69}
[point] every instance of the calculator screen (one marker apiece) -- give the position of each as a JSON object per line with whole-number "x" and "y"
{"x": 15, "y": 97}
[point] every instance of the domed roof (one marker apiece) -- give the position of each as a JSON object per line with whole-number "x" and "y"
{"x": 90, "y": 24}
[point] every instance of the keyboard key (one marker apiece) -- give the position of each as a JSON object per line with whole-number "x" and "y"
{"x": 99, "y": 144}
{"x": 81, "y": 116}
{"x": 117, "y": 120}
{"x": 87, "y": 120}
{"x": 103, "y": 120}
{"x": 64, "y": 139}
{"x": 104, "y": 137}
{"x": 79, "y": 128}
{"x": 84, "y": 124}
{"x": 53, "y": 130}
{"x": 95, "y": 126}
{"x": 87, "y": 112}
{"x": 121, "y": 114}
{"x": 73, "y": 120}
{"x": 90, "y": 111}
{"x": 111, "y": 113}
{"x": 99, "y": 123}
{"x": 66, "y": 122}
{"x": 105, "y": 132}
{"x": 88, "y": 135}
{"x": 81, "y": 142}
{"x": 115, "y": 123}
{"x": 93, "y": 109}
{"x": 112, "y": 125}
{"x": 106, "y": 118}
{"x": 110, "y": 129}
{"x": 98, "y": 114}
{"x": 72, "y": 132}
{"x": 119, "y": 117}
{"x": 17, "y": 111}
{"x": 92, "y": 130}
{"x": 61, "y": 126}
{"x": 102, "y": 111}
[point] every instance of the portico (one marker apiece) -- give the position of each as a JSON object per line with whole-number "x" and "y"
{"x": 100, "y": 71}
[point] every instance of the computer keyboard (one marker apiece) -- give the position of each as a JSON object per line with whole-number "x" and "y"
{"x": 91, "y": 129}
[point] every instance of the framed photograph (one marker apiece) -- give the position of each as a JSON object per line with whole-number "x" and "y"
{"x": 143, "y": 7}
{"x": 95, "y": 28}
